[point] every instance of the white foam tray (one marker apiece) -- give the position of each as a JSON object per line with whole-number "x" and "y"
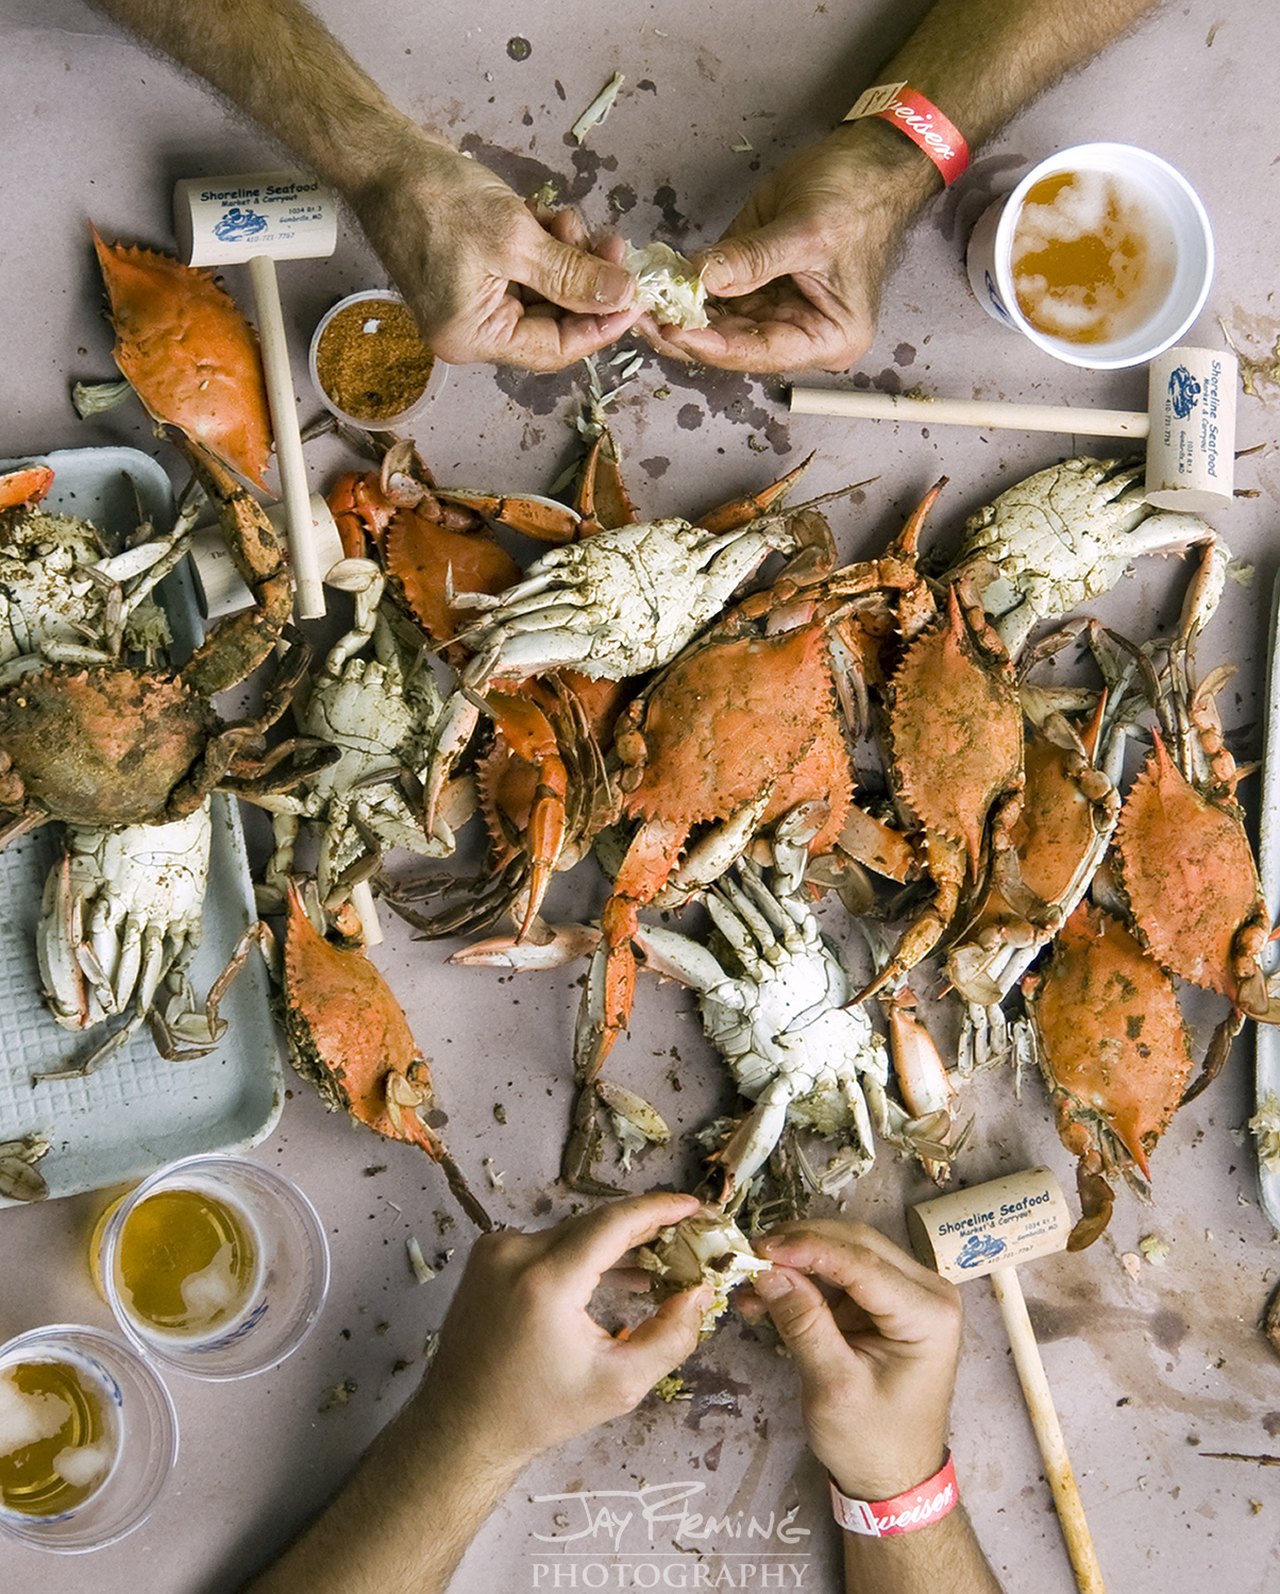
{"x": 1268, "y": 1035}
{"x": 138, "y": 1111}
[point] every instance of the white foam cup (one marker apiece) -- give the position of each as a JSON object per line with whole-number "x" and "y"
{"x": 1174, "y": 209}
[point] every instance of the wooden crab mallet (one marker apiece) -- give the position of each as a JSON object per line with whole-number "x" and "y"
{"x": 987, "y": 1230}
{"x": 1188, "y": 425}
{"x": 258, "y": 219}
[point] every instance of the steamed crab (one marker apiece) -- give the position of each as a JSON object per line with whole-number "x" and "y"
{"x": 379, "y": 716}
{"x": 1185, "y": 863}
{"x": 772, "y": 993}
{"x": 186, "y": 350}
{"x": 119, "y": 924}
{"x": 1061, "y": 537}
{"x": 65, "y": 598}
{"x": 1069, "y": 812}
{"x": 1115, "y": 1054}
{"x": 955, "y": 727}
{"x": 349, "y": 1037}
{"x": 621, "y": 602}
{"x": 114, "y": 743}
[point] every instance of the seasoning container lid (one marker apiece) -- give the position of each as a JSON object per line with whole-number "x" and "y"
{"x": 373, "y": 298}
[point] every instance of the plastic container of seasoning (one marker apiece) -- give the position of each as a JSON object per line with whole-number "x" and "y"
{"x": 369, "y": 364}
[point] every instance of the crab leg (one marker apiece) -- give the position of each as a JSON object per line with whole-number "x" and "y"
{"x": 238, "y": 645}
{"x": 530, "y": 736}
{"x": 542, "y": 518}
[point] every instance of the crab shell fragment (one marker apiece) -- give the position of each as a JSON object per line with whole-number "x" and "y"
{"x": 708, "y": 1248}
{"x": 188, "y": 353}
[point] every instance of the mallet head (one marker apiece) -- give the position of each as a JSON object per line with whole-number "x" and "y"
{"x": 223, "y": 221}
{"x": 998, "y": 1224}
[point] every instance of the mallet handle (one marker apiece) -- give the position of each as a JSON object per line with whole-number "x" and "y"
{"x": 993, "y": 414}
{"x": 284, "y": 422}
{"x": 1044, "y": 1420}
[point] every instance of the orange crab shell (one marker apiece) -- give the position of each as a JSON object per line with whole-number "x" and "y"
{"x": 956, "y": 726}
{"x": 190, "y": 355}
{"x": 348, "y": 1032}
{"x": 103, "y": 746}
{"x": 1188, "y": 872}
{"x": 27, "y": 485}
{"x": 421, "y": 554}
{"x": 736, "y": 715}
{"x": 1113, "y": 1045}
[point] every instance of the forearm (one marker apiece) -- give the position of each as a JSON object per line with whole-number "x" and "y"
{"x": 980, "y": 62}
{"x": 403, "y": 1522}
{"x": 945, "y": 1555}
{"x": 279, "y": 64}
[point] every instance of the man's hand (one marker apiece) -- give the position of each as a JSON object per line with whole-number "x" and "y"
{"x": 802, "y": 263}
{"x": 875, "y": 1349}
{"x": 460, "y": 245}
{"x": 521, "y": 1365}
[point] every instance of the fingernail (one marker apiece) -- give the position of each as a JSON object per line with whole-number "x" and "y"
{"x": 716, "y": 274}
{"x": 772, "y": 1286}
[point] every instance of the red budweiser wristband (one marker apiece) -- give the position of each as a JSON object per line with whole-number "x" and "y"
{"x": 922, "y": 122}
{"x": 928, "y": 1502}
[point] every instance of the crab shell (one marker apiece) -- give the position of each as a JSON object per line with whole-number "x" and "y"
{"x": 26, "y": 485}
{"x": 107, "y": 745}
{"x": 188, "y": 353}
{"x": 1192, "y": 884}
{"x": 956, "y": 726}
{"x": 427, "y": 559}
{"x": 1069, "y": 809}
{"x": 732, "y": 718}
{"x": 349, "y": 1036}
{"x": 347, "y": 1032}
{"x": 1114, "y": 1052}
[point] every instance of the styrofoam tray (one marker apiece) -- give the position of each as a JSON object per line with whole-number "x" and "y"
{"x": 138, "y": 1111}
{"x": 1268, "y": 1035}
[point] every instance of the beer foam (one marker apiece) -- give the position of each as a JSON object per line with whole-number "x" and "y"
{"x": 27, "y": 1419}
{"x": 1078, "y": 208}
{"x": 214, "y": 1290}
{"x": 81, "y": 1465}
{"x": 1091, "y": 259}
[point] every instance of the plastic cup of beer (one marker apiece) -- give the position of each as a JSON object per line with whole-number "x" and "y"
{"x": 87, "y": 1438}
{"x": 1102, "y": 256}
{"x": 215, "y": 1266}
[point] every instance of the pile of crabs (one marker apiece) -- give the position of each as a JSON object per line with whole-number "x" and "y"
{"x": 715, "y": 728}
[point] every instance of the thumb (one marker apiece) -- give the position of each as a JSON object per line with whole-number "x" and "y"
{"x": 670, "y": 1335}
{"x": 575, "y": 280}
{"x": 802, "y": 1317}
{"x": 743, "y": 264}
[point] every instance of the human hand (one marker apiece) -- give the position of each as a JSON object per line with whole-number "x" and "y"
{"x": 803, "y": 262}
{"x": 461, "y": 246}
{"x": 876, "y": 1355}
{"x": 521, "y": 1365}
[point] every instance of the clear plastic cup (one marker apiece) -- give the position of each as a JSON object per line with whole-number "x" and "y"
{"x": 1175, "y": 213}
{"x": 373, "y": 297}
{"x": 245, "y": 1318}
{"x": 139, "y": 1429}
